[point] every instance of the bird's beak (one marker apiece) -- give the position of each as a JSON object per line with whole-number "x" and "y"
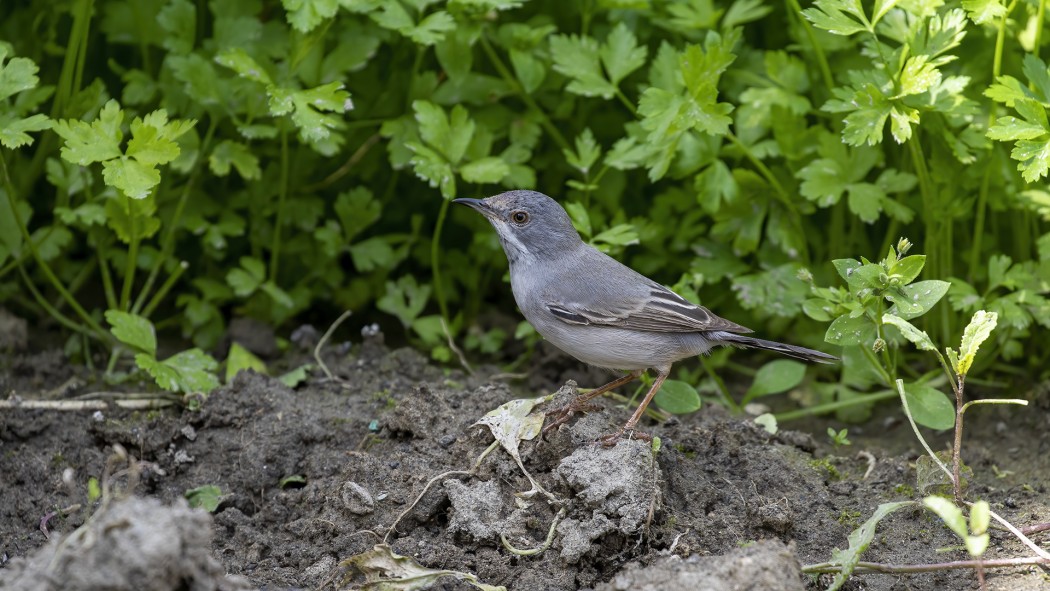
{"x": 477, "y": 205}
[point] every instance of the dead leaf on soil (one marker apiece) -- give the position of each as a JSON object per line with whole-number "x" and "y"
{"x": 513, "y": 422}
{"x": 385, "y": 570}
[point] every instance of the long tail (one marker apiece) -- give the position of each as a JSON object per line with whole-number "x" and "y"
{"x": 789, "y": 350}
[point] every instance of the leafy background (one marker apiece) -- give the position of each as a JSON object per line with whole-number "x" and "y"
{"x": 170, "y": 165}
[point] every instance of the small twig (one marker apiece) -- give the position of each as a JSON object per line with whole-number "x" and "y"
{"x": 915, "y": 428}
{"x": 456, "y": 349}
{"x": 871, "y": 463}
{"x": 876, "y": 567}
{"x": 356, "y": 157}
{"x": 1020, "y": 536}
{"x": 508, "y": 376}
{"x": 434, "y": 480}
{"x": 674, "y": 544}
{"x": 324, "y": 339}
{"x": 77, "y": 405}
{"x": 543, "y": 547}
{"x": 1034, "y": 529}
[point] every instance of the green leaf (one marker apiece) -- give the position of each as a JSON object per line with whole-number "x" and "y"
{"x": 980, "y": 328}
{"x": 929, "y": 406}
{"x": 579, "y": 59}
{"x": 404, "y": 299}
{"x": 305, "y": 15}
{"x": 908, "y": 268}
{"x": 227, "y": 154}
{"x": 859, "y": 541}
{"x": 179, "y": 20}
{"x": 133, "y": 330}
{"x": 983, "y": 11}
{"x": 917, "y": 299}
{"x": 768, "y": 422}
{"x": 239, "y": 359}
{"x": 917, "y": 337}
{"x": 775, "y": 377}
{"x": 17, "y": 75}
{"x": 130, "y": 177}
{"x": 951, "y": 514}
{"x": 297, "y": 376}
{"x": 247, "y": 278}
{"x": 239, "y": 61}
{"x": 490, "y": 169}
{"x": 205, "y": 497}
{"x": 847, "y": 331}
{"x": 839, "y": 17}
{"x": 189, "y": 371}
{"x": 92, "y": 142}
{"x": 621, "y": 53}
{"x": 586, "y": 154}
{"x": 677, "y": 397}
{"x": 357, "y": 209}
{"x": 14, "y": 133}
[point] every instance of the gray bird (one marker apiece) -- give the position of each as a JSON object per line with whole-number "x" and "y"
{"x": 598, "y": 310}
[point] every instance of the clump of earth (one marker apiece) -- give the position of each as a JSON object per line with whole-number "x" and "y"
{"x": 376, "y": 474}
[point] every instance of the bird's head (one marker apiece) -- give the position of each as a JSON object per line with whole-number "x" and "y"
{"x": 531, "y": 226}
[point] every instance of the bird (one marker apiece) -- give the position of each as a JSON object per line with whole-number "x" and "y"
{"x": 599, "y": 310}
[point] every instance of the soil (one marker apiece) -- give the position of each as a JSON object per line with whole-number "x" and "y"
{"x": 331, "y": 470}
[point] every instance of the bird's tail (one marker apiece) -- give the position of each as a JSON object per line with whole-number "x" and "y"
{"x": 802, "y": 353}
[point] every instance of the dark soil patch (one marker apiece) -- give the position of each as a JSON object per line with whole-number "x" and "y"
{"x": 315, "y": 475}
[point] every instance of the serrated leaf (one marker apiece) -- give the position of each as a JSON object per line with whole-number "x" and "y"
{"x": 306, "y": 15}
{"x": 14, "y": 133}
{"x": 621, "y": 54}
{"x": 677, "y": 397}
{"x": 130, "y": 177}
{"x": 980, "y": 328}
{"x": 92, "y": 142}
{"x": 490, "y": 169}
{"x": 188, "y": 371}
{"x": 983, "y": 11}
{"x": 17, "y": 75}
{"x": 839, "y": 17}
{"x": 579, "y": 59}
{"x": 133, "y": 330}
{"x": 229, "y": 154}
{"x": 239, "y": 61}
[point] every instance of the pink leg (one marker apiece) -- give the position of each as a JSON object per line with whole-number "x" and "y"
{"x": 560, "y": 416}
{"x": 611, "y": 439}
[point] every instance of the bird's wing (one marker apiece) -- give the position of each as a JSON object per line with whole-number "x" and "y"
{"x": 654, "y": 309}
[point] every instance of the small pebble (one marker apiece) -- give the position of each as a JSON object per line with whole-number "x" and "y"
{"x": 447, "y": 440}
{"x": 189, "y": 433}
{"x": 356, "y": 499}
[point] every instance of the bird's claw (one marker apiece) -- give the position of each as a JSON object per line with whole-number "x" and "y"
{"x": 561, "y": 415}
{"x": 613, "y": 438}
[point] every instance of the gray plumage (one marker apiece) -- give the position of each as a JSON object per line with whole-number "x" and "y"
{"x": 595, "y": 308}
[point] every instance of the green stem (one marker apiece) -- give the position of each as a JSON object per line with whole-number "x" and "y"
{"x": 509, "y": 78}
{"x": 825, "y": 408}
{"x": 275, "y": 250}
{"x": 626, "y": 102}
{"x": 822, "y": 60}
{"x": 44, "y": 267}
{"x": 58, "y": 316}
{"x": 723, "y": 391}
{"x": 1039, "y": 16}
{"x": 435, "y": 261}
{"x": 168, "y": 242}
{"x": 165, "y": 288}
{"x": 107, "y": 278}
{"x": 131, "y": 264}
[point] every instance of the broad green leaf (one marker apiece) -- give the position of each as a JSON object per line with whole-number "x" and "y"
{"x": 774, "y": 377}
{"x": 293, "y": 378}
{"x": 839, "y": 17}
{"x": 980, "y": 328}
{"x": 240, "y": 358}
{"x": 983, "y": 11}
{"x": 917, "y": 337}
{"x": 404, "y": 299}
{"x": 133, "y": 330}
{"x": 179, "y": 20}
{"x": 305, "y": 15}
{"x": 917, "y": 299}
{"x": 950, "y": 514}
{"x": 205, "y": 497}
{"x": 239, "y": 61}
{"x": 357, "y": 209}
{"x": 131, "y": 219}
{"x": 929, "y": 406}
{"x": 848, "y": 331}
{"x": 908, "y": 268}
{"x": 130, "y": 176}
{"x": 247, "y": 278}
{"x": 677, "y": 397}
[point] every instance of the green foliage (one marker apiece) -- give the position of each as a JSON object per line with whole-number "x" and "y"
{"x": 205, "y": 497}
{"x": 285, "y": 160}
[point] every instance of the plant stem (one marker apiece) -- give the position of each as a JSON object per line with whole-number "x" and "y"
{"x": 957, "y": 442}
{"x": 822, "y": 60}
{"x": 275, "y": 250}
{"x": 168, "y": 242}
{"x": 877, "y": 567}
{"x": 132, "y": 263}
{"x": 915, "y": 429}
{"x": 58, "y": 316}
{"x": 435, "y": 261}
{"x": 509, "y": 78}
{"x": 9, "y": 188}
{"x": 107, "y": 279}
{"x": 165, "y": 288}
{"x": 723, "y": 391}
{"x": 823, "y": 408}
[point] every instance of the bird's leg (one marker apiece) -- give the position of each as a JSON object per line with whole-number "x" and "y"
{"x": 560, "y": 416}
{"x": 628, "y": 427}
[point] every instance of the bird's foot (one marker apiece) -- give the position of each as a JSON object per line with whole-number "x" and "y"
{"x": 559, "y": 416}
{"x": 622, "y": 433}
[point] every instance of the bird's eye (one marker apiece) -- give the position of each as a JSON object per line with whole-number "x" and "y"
{"x": 519, "y": 217}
